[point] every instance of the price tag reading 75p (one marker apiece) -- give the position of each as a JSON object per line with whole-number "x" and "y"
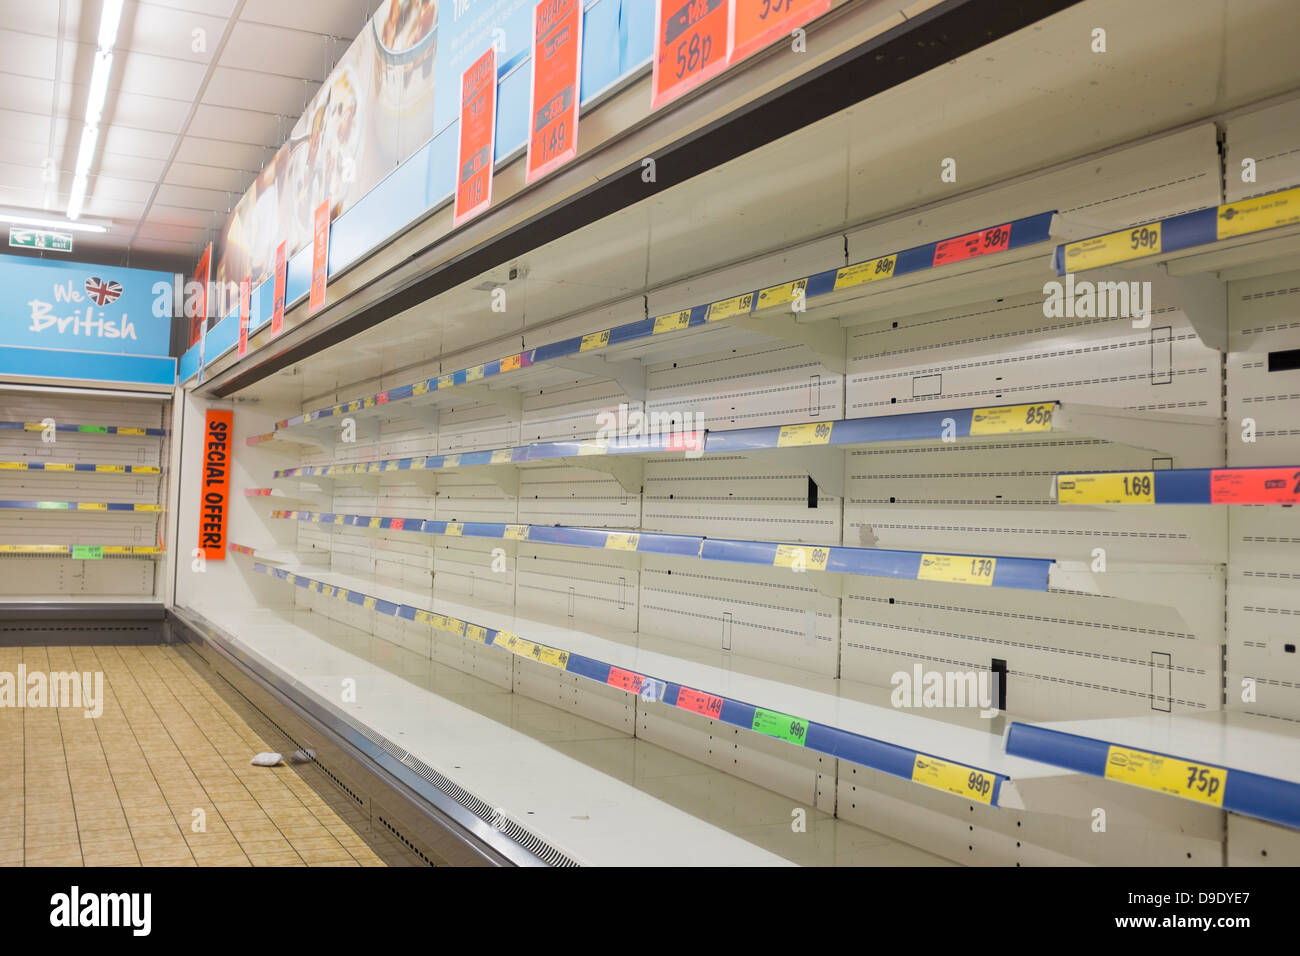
{"x": 1181, "y": 778}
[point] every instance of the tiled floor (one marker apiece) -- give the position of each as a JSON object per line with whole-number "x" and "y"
{"x": 161, "y": 778}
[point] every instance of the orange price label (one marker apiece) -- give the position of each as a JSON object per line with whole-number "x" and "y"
{"x": 478, "y": 123}
{"x": 699, "y": 702}
{"x": 320, "y": 256}
{"x": 982, "y": 243}
{"x": 557, "y": 49}
{"x": 625, "y": 680}
{"x": 690, "y": 46}
{"x": 758, "y": 23}
{"x": 1255, "y": 486}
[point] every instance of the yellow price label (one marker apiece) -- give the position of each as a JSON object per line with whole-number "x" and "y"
{"x": 517, "y": 532}
{"x": 131, "y": 431}
{"x": 1135, "y": 243}
{"x": 392, "y": 464}
{"x": 512, "y": 363}
{"x": 1203, "y": 783}
{"x": 507, "y": 641}
{"x": 61, "y": 466}
{"x": 33, "y": 427}
{"x": 593, "y": 447}
{"x": 620, "y": 541}
{"x": 327, "y": 590}
{"x": 368, "y": 402}
{"x": 475, "y": 633}
{"x": 550, "y": 656}
{"x": 809, "y": 556}
{"x": 502, "y": 456}
{"x": 417, "y": 464}
{"x": 111, "y": 469}
{"x": 474, "y": 374}
{"x": 341, "y": 594}
{"x": 374, "y": 522}
{"x": 730, "y": 308}
{"x": 596, "y": 340}
{"x": 451, "y": 461}
{"x": 782, "y": 294}
{"x": 1120, "y": 488}
{"x": 424, "y": 617}
{"x": 420, "y": 388}
{"x": 1012, "y": 419}
{"x": 1255, "y": 215}
{"x": 954, "y": 778}
{"x": 100, "y": 506}
{"x": 338, "y": 519}
{"x": 863, "y": 272}
{"x": 672, "y": 322}
{"x": 814, "y": 433}
{"x": 454, "y": 528}
{"x": 17, "y": 466}
{"x": 368, "y": 603}
{"x": 957, "y": 569}
{"x": 446, "y": 381}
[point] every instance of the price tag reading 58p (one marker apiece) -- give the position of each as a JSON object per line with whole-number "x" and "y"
{"x": 690, "y": 45}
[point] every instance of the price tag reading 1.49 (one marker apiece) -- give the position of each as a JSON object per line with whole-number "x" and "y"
{"x": 1120, "y": 488}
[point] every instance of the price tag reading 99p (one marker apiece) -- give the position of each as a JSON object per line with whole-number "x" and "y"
{"x": 690, "y": 45}
{"x": 557, "y": 45}
{"x": 478, "y": 123}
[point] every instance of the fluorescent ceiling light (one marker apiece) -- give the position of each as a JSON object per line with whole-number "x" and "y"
{"x": 98, "y": 87}
{"x": 40, "y": 223}
{"x": 108, "y": 20}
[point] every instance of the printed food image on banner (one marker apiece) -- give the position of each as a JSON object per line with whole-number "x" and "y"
{"x": 374, "y": 111}
{"x": 477, "y": 138}
{"x": 197, "y": 309}
{"x": 690, "y": 46}
{"x": 553, "y": 100}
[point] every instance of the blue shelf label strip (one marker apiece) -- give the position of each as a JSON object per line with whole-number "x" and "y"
{"x": 855, "y": 748}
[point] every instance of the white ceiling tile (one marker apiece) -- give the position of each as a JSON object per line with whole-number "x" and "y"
{"x": 254, "y": 46}
{"x": 181, "y": 216}
{"x": 209, "y": 177}
{"x": 32, "y": 127}
{"x": 340, "y": 18}
{"x": 27, "y": 17}
{"x": 136, "y": 142}
{"x": 195, "y": 149}
{"x": 286, "y": 95}
{"x": 165, "y": 32}
{"x": 27, "y": 54}
{"x": 143, "y": 168}
{"x": 193, "y": 198}
{"x": 27, "y": 93}
{"x": 240, "y": 126}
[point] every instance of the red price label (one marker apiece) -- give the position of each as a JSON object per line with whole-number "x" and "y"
{"x": 277, "y": 301}
{"x": 398, "y": 524}
{"x": 757, "y": 23}
{"x": 699, "y": 702}
{"x": 381, "y": 398}
{"x": 1255, "y": 486}
{"x": 478, "y": 123}
{"x": 625, "y": 680}
{"x": 245, "y": 297}
{"x": 982, "y": 243}
{"x": 690, "y": 46}
{"x": 685, "y": 441}
{"x": 553, "y": 101}
{"x": 320, "y": 255}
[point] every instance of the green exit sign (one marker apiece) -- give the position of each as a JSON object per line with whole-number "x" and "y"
{"x": 40, "y": 239}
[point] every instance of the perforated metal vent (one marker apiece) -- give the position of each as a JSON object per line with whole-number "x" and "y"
{"x": 525, "y": 838}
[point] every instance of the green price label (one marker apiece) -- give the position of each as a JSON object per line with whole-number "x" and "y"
{"x": 98, "y": 429}
{"x": 776, "y": 724}
{"x": 88, "y": 552}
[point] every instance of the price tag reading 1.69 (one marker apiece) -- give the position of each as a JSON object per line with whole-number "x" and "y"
{"x": 1120, "y": 488}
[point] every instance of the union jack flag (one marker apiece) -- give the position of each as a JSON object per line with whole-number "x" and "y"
{"x": 103, "y": 291}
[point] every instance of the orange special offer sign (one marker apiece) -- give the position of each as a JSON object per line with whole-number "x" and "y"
{"x": 320, "y": 257}
{"x": 557, "y": 43}
{"x": 478, "y": 133}
{"x": 759, "y": 23}
{"x": 690, "y": 45}
{"x": 215, "y": 500}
